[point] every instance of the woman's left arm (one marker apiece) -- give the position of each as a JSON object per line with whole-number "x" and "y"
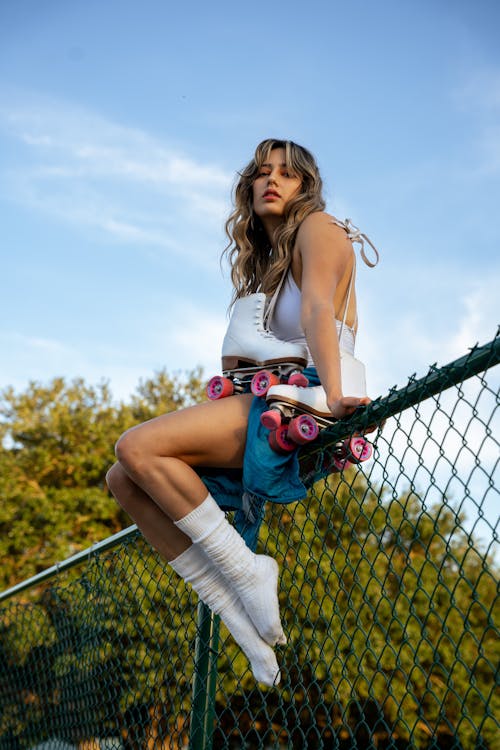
{"x": 325, "y": 253}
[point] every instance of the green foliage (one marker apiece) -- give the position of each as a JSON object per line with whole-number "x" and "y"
{"x": 86, "y": 656}
{"x": 57, "y": 443}
{"x": 386, "y": 608}
{"x": 388, "y": 604}
{"x": 165, "y": 393}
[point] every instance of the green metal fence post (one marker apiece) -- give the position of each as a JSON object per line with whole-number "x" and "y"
{"x": 204, "y": 680}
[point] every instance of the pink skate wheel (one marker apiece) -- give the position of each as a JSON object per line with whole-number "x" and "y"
{"x": 359, "y": 449}
{"x": 279, "y": 440}
{"x": 298, "y": 378}
{"x": 262, "y": 381}
{"x": 271, "y": 419}
{"x": 219, "y": 387}
{"x": 303, "y": 429}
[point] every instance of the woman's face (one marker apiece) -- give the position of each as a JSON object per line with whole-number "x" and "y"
{"x": 273, "y": 187}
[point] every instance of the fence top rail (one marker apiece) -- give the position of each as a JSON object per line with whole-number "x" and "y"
{"x": 479, "y": 359}
{"x": 70, "y": 562}
{"x": 437, "y": 380}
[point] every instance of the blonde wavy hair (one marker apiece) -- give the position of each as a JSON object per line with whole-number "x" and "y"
{"x": 255, "y": 264}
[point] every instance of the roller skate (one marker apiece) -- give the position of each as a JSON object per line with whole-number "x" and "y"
{"x": 252, "y": 357}
{"x": 295, "y": 417}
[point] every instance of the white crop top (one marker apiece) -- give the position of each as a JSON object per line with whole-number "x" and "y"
{"x": 285, "y": 316}
{"x": 285, "y": 322}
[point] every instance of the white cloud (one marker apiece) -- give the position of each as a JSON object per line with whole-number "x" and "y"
{"x": 83, "y": 169}
{"x": 479, "y": 317}
{"x": 489, "y": 147}
{"x": 35, "y": 358}
{"x": 423, "y": 329}
{"x": 36, "y": 140}
{"x": 479, "y": 97}
{"x": 479, "y": 91}
{"x": 102, "y": 147}
{"x": 47, "y": 346}
{"x": 181, "y": 337}
{"x": 195, "y": 337}
{"x": 426, "y": 329}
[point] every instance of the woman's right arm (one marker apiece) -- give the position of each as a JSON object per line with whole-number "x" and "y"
{"x": 325, "y": 254}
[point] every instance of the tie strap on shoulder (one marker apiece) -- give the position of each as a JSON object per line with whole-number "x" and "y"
{"x": 357, "y": 236}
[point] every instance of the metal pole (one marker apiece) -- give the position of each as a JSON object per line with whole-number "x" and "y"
{"x": 83, "y": 556}
{"x": 204, "y": 679}
{"x": 437, "y": 380}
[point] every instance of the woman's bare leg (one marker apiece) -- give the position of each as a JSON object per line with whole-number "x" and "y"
{"x": 159, "y": 457}
{"x": 195, "y": 567}
{"x": 153, "y": 481}
{"x": 156, "y": 527}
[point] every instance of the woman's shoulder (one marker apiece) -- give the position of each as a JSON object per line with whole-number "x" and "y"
{"x": 323, "y": 226}
{"x": 319, "y": 232}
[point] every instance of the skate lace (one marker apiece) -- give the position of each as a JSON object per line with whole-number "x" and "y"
{"x": 262, "y": 320}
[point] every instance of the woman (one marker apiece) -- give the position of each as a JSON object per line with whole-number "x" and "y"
{"x": 278, "y": 225}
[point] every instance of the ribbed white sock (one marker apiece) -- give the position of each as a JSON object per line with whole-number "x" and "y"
{"x": 254, "y": 578}
{"x": 195, "y": 568}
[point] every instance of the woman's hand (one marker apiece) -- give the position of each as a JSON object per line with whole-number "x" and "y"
{"x": 347, "y": 405}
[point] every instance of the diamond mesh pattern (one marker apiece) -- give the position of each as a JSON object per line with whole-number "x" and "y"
{"x": 389, "y": 578}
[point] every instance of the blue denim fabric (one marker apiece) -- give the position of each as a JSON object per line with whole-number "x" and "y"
{"x": 266, "y": 476}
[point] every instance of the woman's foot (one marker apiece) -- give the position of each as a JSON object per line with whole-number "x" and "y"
{"x": 253, "y": 578}
{"x": 211, "y": 586}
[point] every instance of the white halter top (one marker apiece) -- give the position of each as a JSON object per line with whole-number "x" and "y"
{"x": 285, "y": 307}
{"x": 285, "y": 323}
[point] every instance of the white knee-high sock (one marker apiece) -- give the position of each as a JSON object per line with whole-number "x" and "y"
{"x": 212, "y": 588}
{"x": 254, "y": 578}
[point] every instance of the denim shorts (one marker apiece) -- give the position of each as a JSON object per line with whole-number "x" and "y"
{"x": 266, "y": 476}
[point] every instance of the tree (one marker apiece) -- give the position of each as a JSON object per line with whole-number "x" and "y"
{"x": 387, "y": 602}
{"x": 56, "y": 446}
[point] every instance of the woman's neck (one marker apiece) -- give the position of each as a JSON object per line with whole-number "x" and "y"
{"x": 271, "y": 224}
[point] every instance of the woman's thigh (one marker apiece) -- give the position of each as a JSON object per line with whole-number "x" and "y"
{"x": 211, "y": 434}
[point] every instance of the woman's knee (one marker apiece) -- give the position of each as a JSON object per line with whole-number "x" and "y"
{"x": 121, "y": 486}
{"x": 129, "y": 451}
{"x": 137, "y": 448}
{"x": 115, "y": 479}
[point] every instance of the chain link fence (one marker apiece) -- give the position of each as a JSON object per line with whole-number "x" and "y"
{"x": 389, "y": 575}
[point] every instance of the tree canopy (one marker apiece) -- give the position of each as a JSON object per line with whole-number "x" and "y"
{"x": 57, "y": 442}
{"x": 388, "y": 606}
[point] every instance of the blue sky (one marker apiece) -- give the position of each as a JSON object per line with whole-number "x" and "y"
{"x": 122, "y": 125}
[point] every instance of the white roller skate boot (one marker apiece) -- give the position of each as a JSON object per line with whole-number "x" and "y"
{"x": 295, "y": 417}
{"x": 251, "y": 354}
